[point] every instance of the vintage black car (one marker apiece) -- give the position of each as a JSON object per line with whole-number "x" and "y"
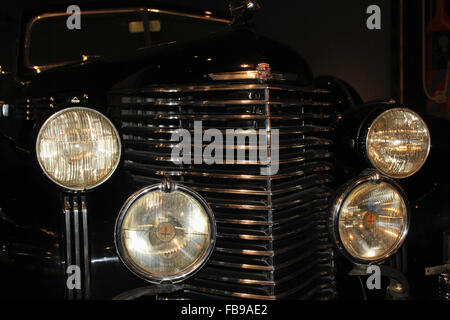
{"x": 95, "y": 204}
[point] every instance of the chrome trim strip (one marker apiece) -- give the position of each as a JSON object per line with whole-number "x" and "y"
{"x": 269, "y": 253}
{"x": 217, "y": 204}
{"x": 261, "y": 223}
{"x": 272, "y": 237}
{"x": 218, "y": 87}
{"x": 291, "y": 116}
{"x": 161, "y": 289}
{"x": 247, "y": 281}
{"x": 76, "y": 225}
{"x": 75, "y": 208}
{"x": 173, "y": 129}
{"x": 188, "y": 15}
{"x": 250, "y": 75}
{"x": 68, "y": 236}
{"x": 233, "y": 162}
{"x": 304, "y": 284}
{"x": 27, "y": 61}
{"x": 257, "y": 192}
{"x": 202, "y": 103}
{"x": 172, "y": 143}
{"x": 241, "y": 265}
{"x": 160, "y": 171}
{"x": 87, "y": 269}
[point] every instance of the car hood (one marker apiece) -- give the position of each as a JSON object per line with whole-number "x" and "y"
{"x": 230, "y": 50}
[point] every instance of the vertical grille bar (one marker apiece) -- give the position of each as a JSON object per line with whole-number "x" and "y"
{"x": 68, "y": 236}
{"x": 77, "y": 246}
{"x": 87, "y": 271}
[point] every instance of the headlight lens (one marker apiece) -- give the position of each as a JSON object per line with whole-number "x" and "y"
{"x": 165, "y": 235}
{"x": 78, "y": 148}
{"x": 398, "y": 142}
{"x": 371, "y": 219}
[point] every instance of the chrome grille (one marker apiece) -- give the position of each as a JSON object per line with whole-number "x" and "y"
{"x": 272, "y": 237}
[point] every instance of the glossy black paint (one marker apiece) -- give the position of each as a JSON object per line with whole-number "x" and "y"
{"x": 31, "y": 220}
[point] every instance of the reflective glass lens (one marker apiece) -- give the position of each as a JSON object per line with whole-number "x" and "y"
{"x": 372, "y": 221}
{"x": 165, "y": 235}
{"x": 78, "y": 148}
{"x": 398, "y": 142}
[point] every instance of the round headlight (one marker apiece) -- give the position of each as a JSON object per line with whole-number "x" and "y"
{"x": 370, "y": 218}
{"x": 78, "y": 148}
{"x": 165, "y": 234}
{"x": 398, "y": 142}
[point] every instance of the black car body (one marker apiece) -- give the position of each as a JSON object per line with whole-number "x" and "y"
{"x": 273, "y": 236}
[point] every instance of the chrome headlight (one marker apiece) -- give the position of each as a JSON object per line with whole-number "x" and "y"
{"x": 398, "y": 142}
{"x": 370, "y": 218}
{"x": 78, "y": 148}
{"x": 165, "y": 233}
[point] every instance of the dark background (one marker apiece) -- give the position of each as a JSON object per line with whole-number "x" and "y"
{"x": 331, "y": 35}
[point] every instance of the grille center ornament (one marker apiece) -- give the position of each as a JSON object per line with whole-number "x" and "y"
{"x": 263, "y": 72}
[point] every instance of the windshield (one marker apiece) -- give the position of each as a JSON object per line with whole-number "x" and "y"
{"x": 49, "y": 42}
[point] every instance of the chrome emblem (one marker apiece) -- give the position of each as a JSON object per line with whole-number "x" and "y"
{"x": 263, "y": 71}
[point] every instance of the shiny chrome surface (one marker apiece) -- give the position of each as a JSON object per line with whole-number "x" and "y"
{"x": 223, "y": 87}
{"x": 250, "y": 75}
{"x": 86, "y": 257}
{"x": 272, "y": 239}
{"x": 77, "y": 243}
{"x": 68, "y": 236}
{"x": 76, "y": 226}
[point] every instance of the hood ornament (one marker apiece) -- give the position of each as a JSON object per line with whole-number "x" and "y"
{"x": 242, "y": 10}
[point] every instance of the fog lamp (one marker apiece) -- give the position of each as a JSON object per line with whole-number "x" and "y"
{"x": 165, "y": 234}
{"x": 369, "y": 218}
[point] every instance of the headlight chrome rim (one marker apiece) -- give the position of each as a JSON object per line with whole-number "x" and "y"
{"x": 370, "y": 126}
{"x": 105, "y": 178}
{"x": 368, "y": 175}
{"x": 165, "y": 186}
